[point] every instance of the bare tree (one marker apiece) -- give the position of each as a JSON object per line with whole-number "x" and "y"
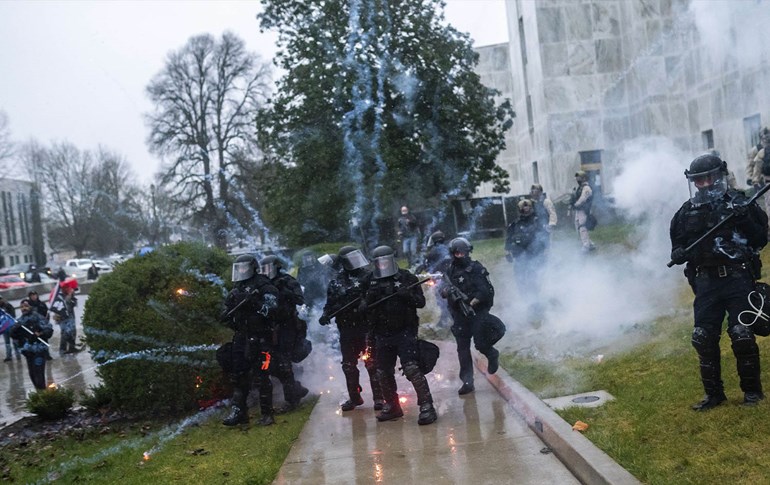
{"x": 206, "y": 99}
{"x": 87, "y": 197}
{"x": 6, "y": 144}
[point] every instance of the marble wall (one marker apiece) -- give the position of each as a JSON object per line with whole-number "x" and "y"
{"x": 598, "y": 73}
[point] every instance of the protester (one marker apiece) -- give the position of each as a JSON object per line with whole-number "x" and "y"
{"x": 63, "y": 309}
{"x": 33, "y": 333}
{"x": 408, "y": 232}
{"x": 11, "y": 345}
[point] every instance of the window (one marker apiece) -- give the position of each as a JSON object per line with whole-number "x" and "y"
{"x": 591, "y": 164}
{"x": 529, "y": 114}
{"x": 708, "y": 139}
{"x": 751, "y": 126}
{"x": 522, "y": 42}
{"x": 535, "y": 174}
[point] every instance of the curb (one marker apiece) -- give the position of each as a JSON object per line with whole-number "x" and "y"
{"x": 585, "y": 460}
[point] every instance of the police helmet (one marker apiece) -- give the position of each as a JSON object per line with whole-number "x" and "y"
{"x": 307, "y": 258}
{"x": 460, "y": 245}
{"x": 270, "y": 266}
{"x": 436, "y": 238}
{"x": 352, "y": 258}
{"x": 706, "y": 178}
{"x": 244, "y": 267}
{"x": 384, "y": 261}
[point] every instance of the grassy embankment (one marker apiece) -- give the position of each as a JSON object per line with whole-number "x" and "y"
{"x": 650, "y": 429}
{"x": 205, "y": 453}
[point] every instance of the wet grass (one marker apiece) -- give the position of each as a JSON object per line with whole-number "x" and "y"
{"x": 204, "y": 453}
{"x": 650, "y": 429}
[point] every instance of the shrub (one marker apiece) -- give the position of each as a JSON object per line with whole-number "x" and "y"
{"x": 98, "y": 399}
{"x": 153, "y": 326}
{"x": 51, "y": 403}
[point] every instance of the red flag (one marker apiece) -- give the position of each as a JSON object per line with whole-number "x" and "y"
{"x": 54, "y": 293}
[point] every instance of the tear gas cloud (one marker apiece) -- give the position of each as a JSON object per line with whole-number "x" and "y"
{"x": 595, "y": 300}
{"x": 733, "y": 31}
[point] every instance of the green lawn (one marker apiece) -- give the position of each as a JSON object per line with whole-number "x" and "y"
{"x": 206, "y": 452}
{"x": 650, "y": 429}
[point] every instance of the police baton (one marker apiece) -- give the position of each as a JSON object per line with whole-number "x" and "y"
{"x": 345, "y": 307}
{"x": 394, "y": 294}
{"x": 721, "y": 223}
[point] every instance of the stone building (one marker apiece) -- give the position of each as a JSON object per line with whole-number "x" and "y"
{"x": 21, "y": 230}
{"x": 590, "y": 75}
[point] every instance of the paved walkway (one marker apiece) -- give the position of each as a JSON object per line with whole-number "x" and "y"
{"x": 477, "y": 439}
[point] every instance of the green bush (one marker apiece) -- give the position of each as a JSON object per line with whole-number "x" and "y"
{"x": 51, "y": 403}
{"x": 98, "y": 399}
{"x": 153, "y": 325}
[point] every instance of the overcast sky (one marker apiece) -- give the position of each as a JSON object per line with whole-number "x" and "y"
{"x": 77, "y": 71}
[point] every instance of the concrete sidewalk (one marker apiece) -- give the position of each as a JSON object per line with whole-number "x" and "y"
{"x": 478, "y": 438}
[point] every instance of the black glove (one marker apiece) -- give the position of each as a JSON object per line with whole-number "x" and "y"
{"x": 324, "y": 320}
{"x": 679, "y": 256}
{"x": 749, "y": 182}
{"x": 740, "y": 210}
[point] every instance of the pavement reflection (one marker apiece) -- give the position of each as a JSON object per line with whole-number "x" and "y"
{"x": 74, "y": 371}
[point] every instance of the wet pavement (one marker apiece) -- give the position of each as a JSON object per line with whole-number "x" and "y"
{"x": 74, "y": 371}
{"x": 477, "y": 439}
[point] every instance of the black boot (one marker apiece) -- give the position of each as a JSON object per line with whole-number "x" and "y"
{"x": 376, "y": 390}
{"x": 492, "y": 360}
{"x": 355, "y": 398}
{"x": 709, "y": 402}
{"x": 427, "y": 414}
{"x": 467, "y": 388}
{"x": 752, "y": 398}
{"x": 239, "y": 414}
{"x": 266, "y": 420}
{"x": 390, "y": 411}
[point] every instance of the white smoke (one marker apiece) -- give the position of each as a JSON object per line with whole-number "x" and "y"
{"x": 589, "y": 301}
{"x": 733, "y": 30}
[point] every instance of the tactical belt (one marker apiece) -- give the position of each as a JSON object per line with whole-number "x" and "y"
{"x": 721, "y": 270}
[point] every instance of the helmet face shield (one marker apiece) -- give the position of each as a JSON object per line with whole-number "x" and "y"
{"x": 243, "y": 271}
{"x": 269, "y": 269}
{"x": 326, "y": 260}
{"x": 385, "y": 266}
{"x": 308, "y": 259}
{"x": 354, "y": 260}
{"x": 707, "y": 187}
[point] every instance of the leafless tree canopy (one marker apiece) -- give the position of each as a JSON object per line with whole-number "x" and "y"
{"x": 6, "y": 144}
{"x": 205, "y": 101}
{"x": 87, "y": 197}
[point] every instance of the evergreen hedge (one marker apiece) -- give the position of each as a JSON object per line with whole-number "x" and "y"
{"x": 146, "y": 321}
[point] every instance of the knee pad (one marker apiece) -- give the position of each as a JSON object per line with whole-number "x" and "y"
{"x": 744, "y": 342}
{"x": 412, "y": 371}
{"x": 705, "y": 343}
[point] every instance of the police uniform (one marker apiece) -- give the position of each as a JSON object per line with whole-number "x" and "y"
{"x": 722, "y": 271}
{"x": 290, "y": 334}
{"x": 248, "y": 309}
{"x": 356, "y": 340}
{"x": 394, "y": 323}
{"x": 472, "y": 279}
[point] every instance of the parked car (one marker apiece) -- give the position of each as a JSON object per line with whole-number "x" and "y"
{"x": 77, "y": 267}
{"x": 24, "y": 271}
{"x": 12, "y": 281}
{"x": 102, "y": 266}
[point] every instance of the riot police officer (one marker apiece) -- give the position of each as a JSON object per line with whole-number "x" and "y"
{"x": 394, "y": 323}
{"x": 470, "y": 294}
{"x": 526, "y": 242}
{"x": 722, "y": 270}
{"x": 356, "y": 340}
{"x": 248, "y": 309}
{"x": 314, "y": 278}
{"x": 291, "y": 344}
{"x": 437, "y": 258}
